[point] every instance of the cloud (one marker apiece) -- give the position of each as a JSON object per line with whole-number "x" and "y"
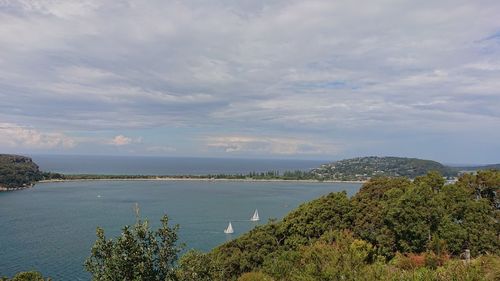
{"x": 14, "y": 136}
{"x": 332, "y": 70}
{"x": 122, "y": 140}
{"x": 269, "y": 145}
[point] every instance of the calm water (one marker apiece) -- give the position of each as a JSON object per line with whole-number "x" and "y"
{"x": 50, "y": 228}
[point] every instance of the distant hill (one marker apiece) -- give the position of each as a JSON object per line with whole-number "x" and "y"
{"x": 363, "y": 168}
{"x": 18, "y": 171}
{"x": 481, "y": 167}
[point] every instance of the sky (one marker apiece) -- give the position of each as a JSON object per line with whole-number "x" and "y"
{"x": 252, "y": 79}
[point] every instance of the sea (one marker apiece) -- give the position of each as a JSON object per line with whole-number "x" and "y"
{"x": 50, "y": 228}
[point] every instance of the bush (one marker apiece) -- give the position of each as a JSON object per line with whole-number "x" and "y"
{"x": 255, "y": 276}
{"x": 138, "y": 254}
{"x": 27, "y": 276}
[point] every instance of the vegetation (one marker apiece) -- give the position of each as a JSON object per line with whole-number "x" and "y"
{"x": 364, "y": 168}
{"x": 26, "y": 276}
{"x": 138, "y": 254}
{"x": 18, "y": 171}
{"x": 269, "y": 175}
{"x": 392, "y": 229}
{"x": 355, "y": 169}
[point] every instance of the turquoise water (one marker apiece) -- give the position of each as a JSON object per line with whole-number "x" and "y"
{"x": 50, "y": 228}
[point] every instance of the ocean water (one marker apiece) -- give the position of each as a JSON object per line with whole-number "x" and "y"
{"x": 134, "y": 165}
{"x": 51, "y": 227}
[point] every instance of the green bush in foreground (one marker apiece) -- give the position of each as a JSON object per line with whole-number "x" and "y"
{"x": 392, "y": 229}
{"x": 423, "y": 219}
{"x": 137, "y": 254}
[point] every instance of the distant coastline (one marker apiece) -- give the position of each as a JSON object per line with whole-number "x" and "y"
{"x": 203, "y": 179}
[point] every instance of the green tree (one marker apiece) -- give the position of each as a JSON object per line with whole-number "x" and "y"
{"x": 195, "y": 266}
{"x": 308, "y": 222}
{"x": 414, "y": 218}
{"x": 255, "y": 276}
{"x": 137, "y": 254}
{"x": 369, "y": 208}
{"x": 485, "y": 184}
{"x": 433, "y": 179}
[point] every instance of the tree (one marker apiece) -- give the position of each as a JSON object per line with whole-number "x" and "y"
{"x": 413, "y": 218}
{"x": 369, "y": 208}
{"x": 137, "y": 254}
{"x": 255, "y": 276}
{"x": 195, "y": 266}
{"x": 433, "y": 179}
{"x": 27, "y": 276}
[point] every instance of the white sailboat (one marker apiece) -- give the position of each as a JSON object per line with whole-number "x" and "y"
{"x": 255, "y": 216}
{"x": 229, "y": 229}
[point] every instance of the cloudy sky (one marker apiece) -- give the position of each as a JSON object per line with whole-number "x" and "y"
{"x": 250, "y": 78}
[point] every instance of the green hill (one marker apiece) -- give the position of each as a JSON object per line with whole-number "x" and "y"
{"x": 364, "y": 168}
{"x": 392, "y": 229}
{"x": 18, "y": 171}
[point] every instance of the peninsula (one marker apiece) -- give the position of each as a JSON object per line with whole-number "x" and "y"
{"x": 18, "y": 172}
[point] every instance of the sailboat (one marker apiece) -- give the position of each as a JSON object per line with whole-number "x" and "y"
{"x": 229, "y": 229}
{"x": 255, "y": 216}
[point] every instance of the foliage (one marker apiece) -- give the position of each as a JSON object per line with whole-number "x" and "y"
{"x": 18, "y": 171}
{"x": 364, "y": 168}
{"x": 255, "y": 276}
{"x": 137, "y": 254}
{"x": 308, "y": 222}
{"x": 195, "y": 266}
{"x": 27, "y": 276}
{"x": 429, "y": 222}
{"x": 337, "y": 256}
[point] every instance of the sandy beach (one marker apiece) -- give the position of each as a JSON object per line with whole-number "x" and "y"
{"x": 198, "y": 179}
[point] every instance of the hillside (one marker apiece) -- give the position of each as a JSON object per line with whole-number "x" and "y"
{"x": 482, "y": 167}
{"x": 364, "y": 168}
{"x": 392, "y": 229}
{"x": 18, "y": 172}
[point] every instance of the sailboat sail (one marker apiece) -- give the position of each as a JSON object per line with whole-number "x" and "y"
{"x": 229, "y": 229}
{"x": 255, "y": 216}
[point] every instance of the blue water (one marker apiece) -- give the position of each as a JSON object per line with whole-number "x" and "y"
{"x": 50, "y": 228}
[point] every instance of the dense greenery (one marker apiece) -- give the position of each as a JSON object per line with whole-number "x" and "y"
{"x": 393, "y": 229}
{"x": 138, "y": 254}
{"x": 26, "y": 276}
{"x": 364, "y": 168}
{"x": 18, "y": 171}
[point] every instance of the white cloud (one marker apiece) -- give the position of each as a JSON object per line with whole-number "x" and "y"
{"x": 121, "y": 140}
{"x": 270, "y": 145}
{"x": 326, "y": 69}
{"x": 14, "y": 136}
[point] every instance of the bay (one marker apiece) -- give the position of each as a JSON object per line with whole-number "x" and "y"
{"x": 51, "y": 227}
{"x": 148, "y": 165}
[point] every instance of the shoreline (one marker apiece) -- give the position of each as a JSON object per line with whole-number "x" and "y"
{"x": 197, "y": 179}
{"x": 5, "y": 189}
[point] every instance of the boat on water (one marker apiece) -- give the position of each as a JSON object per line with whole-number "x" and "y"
{"x": 255, "y": 216}
{"x": 229, "y": 229}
